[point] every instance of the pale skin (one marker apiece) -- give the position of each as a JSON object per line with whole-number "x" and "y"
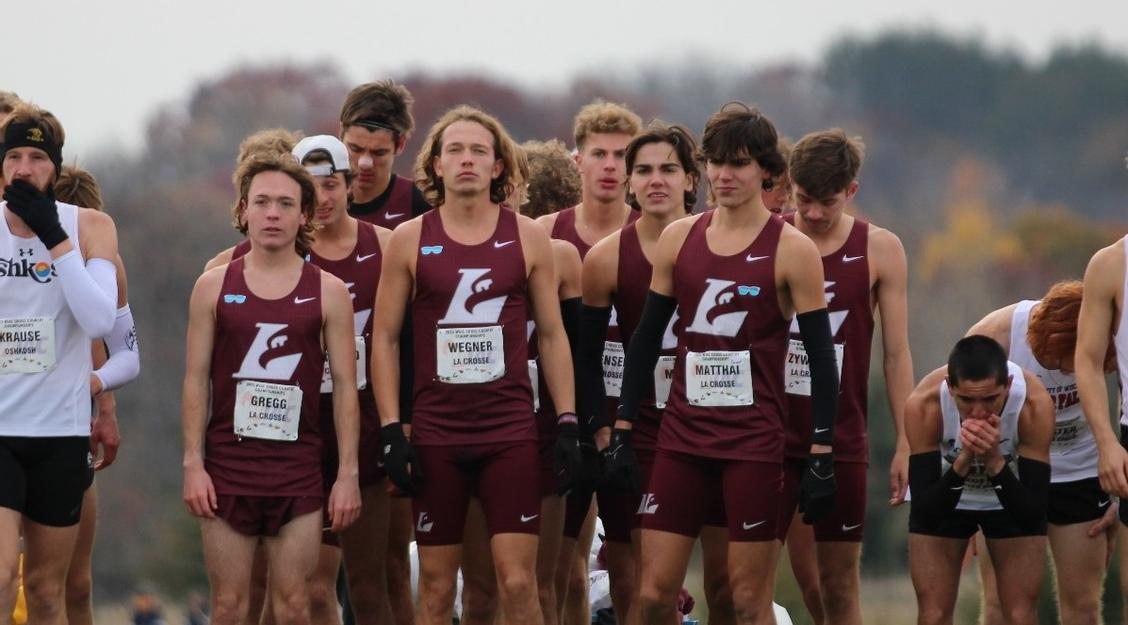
{"x": 934, "y": 561}
{"x": 371, "y": 156}
{"x": 836, "y": 563}
{"x": 603, "y": 171}
{"x": 272, "y": 271}
{"x": 48, "y": 549}
{"x": 467, "y": 164}
{"x": 1076, "y": 548}
{"x": 799, "y": 280}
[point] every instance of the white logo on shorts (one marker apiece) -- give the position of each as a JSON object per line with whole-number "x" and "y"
{"x": 425, "y": 523}
{"x": 526, "y": 519}
{"x": 647, "y": 506}
{"x": 849, "y": 528}
{"x": 749, "y": 526}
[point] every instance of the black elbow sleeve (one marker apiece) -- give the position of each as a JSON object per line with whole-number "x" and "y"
{"x": 933, "y": 494}
{"x": 591, "y": 396}
{"x": 406, "y": 368}
{"x": 1027, "y": 496}
{"x": 643, "y": 351}
{"x": 814, "y": 329}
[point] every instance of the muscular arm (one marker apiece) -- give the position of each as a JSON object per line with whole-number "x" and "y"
{"x": 337, "y": 331}
{"x": 933, "y": 493}
{"x": 396, "y": 280}
{"x": 89, "y": 281}
{"x": 897, "y": 360}
{"x": 1099, "y": 312}
{"x": 199, "y": 494}
{"x": 555, "y": 352}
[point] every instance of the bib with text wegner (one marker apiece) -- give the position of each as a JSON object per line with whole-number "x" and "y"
{"x": 718, "y": 378}
{"x": 27, "y": 345}
{"x": 267, "y": 411}
{"x": 469, "y": 355}
{"x": 361, "y": 369}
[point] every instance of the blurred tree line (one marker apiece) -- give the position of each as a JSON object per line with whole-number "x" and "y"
{"x": 1000, "y": 176}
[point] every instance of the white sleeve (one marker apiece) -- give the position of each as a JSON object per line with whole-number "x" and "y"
{"x": 124, "y": 363}
{"x": 90, "y": 290}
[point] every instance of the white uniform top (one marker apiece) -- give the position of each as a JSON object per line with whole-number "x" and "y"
{"x": 1073, "y": 452}
{"x": 54, "y": 402}
{"x": 1120, "y": 339}
{"x": 978, "y": 493}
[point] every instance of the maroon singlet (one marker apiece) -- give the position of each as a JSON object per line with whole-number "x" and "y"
{"x": 564, "y": 228}
{"x": 277, "y": 341}
{"x": 634, "y": 272}
{"x": 849, "y": 302}
{"x": 463, "y": 287}
{"x": 729, "y": 303}
{"x": 396, "y": 210}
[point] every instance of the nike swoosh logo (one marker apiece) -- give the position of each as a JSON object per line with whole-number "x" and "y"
{"x": 850, "y": 259}
{"x": 850, "y": 528}
{"x": 751, "y": 259}
{"x": 957, "y": 488}
{"x": 526, "y": 519}
{"x": 302, "y": 300}
{"x": 500, "y": 244}
{"x": 821, "y": 430}
{"x": 361, "y": 259}
{"x": 392, "y": 215}
{"x": 999, "y": 487}
{"x": 749, "y": 526}
{"x": 1101, "y": 504}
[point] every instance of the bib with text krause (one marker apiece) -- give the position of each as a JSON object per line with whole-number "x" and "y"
{"x": 470, "y": 355}
{"x": 663, "y": 376}
{"x": 361, "y": 369}
{"x": 1065, "y": 433}
{"x": 267, "y": 411}
{"x": 797, "y": 369}
{"x": 534, "y": 379}
{"x": 27, "y": 345}
{"x": 718, "y": 378}
{"x": 613, "y": 359}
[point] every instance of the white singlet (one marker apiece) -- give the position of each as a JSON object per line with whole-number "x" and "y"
{"x": 1073, "y": 451}
{"x": 45, "y": 361}
{"x": 978, "y": 493}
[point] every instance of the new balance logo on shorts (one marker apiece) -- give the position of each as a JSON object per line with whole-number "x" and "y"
{"x": 648, "y": 506}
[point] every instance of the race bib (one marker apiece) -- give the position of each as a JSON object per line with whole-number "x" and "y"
{"x": 470, "y": 355}
{"x": 361, "y": 369}
{"x": 613, "y": 359}
{"x": 267, "y": 411}
{"x": 797, "y": 371}
{"x": 718, "y": 378}
{"x": 1065, "y": 433}
{"x": 663, "y": 376}
{"x": 534, "y": 379}
{"x": 27, "y": 345}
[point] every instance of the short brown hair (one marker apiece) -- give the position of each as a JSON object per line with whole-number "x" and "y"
{"x": 684, "y": 146}
{"x": 432, "y": 185}
{"x": 738, "y": 131}
{"x": 1052, "y": 329}
{"x": 271, "y": 139}
{"x": 8, "y": 102}
{"x": 554, "y": 181}
{"x": 826, "y": 162}
{"x": 261, "y": 161}
{"x": 604, "y": 117}
{"x": 28, "y": 113}
{"x": 382, "y": 104}
{"x": 78, "y": 186}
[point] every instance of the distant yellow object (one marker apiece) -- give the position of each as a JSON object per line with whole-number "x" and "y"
{"x": 19, "y": 617}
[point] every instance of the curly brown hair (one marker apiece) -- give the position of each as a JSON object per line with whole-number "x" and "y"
{"x": 261, "y": 161}
{"x": 77, "y": 186}
{"x": 604, "y": 117}
{"x": 273, "y": 139}
{"x": 1052, "y": 329}
{"x": 504, "y": 150}
{"x": 554, "y": 181}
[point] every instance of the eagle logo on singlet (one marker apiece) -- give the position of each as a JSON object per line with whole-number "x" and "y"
{"x": 472, "y": 301}
{"x": 266, "y": 359}
{"x": 716, "y": 313}
{"x": 837, "y": 317}
{"x": 360, "y": 317}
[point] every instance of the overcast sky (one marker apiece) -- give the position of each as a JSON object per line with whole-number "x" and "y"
{"x": 104, "y": 67}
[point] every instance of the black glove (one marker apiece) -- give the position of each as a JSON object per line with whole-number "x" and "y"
{"x": 400, "y": 460}
{"x": 817, "y": 489}
{"x": 37, "y": 209}
{"x": 620, "y": 465}
{"x": 568, "y": 458}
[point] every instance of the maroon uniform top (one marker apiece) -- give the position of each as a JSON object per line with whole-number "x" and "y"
{"x": 849, "y": 302}
{"x": 729, "y": 303}
{"x": 360, "y": 271}
{"x": 482, "y": 286}
{"x": 276, "y": 341}
{"x": 564, "y": 228}
{"x": 391, "y": 212}
{"x": 633, "y": 284}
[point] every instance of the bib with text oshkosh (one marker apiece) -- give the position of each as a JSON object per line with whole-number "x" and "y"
{"x": 718, "y": 378}
{"x": 27, "y": 345}
{"x": 267, "y": 411}
{"x": 361, "y": 369}
{"x": 470, "y": 355}
{"x": 797, "y": 369}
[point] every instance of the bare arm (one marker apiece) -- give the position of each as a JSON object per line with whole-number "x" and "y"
{"x": 199, "y": 493}
{"x": 220, "y": 259}
{"x": 556, "y": 354}
{"x": 396, "y": 280}
{"x": 569, "y": 269}
{"x": 897, "y": 360}
{"x": 1036, "y": 422}
{"x": 337, "y": 312}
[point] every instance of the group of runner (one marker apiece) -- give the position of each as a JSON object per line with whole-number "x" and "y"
{"x": 487, "y": 357}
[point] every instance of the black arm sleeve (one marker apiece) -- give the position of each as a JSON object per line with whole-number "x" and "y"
{"x": 933, "y": 494}
{"x": 643, "y": 351}
{"x": 591, "y": 396}
{"x": 1025, "y": 497}
{"x": 814, "y": 328}
{"x": 570, "y": 315}
{"x": 406, "y": 367}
